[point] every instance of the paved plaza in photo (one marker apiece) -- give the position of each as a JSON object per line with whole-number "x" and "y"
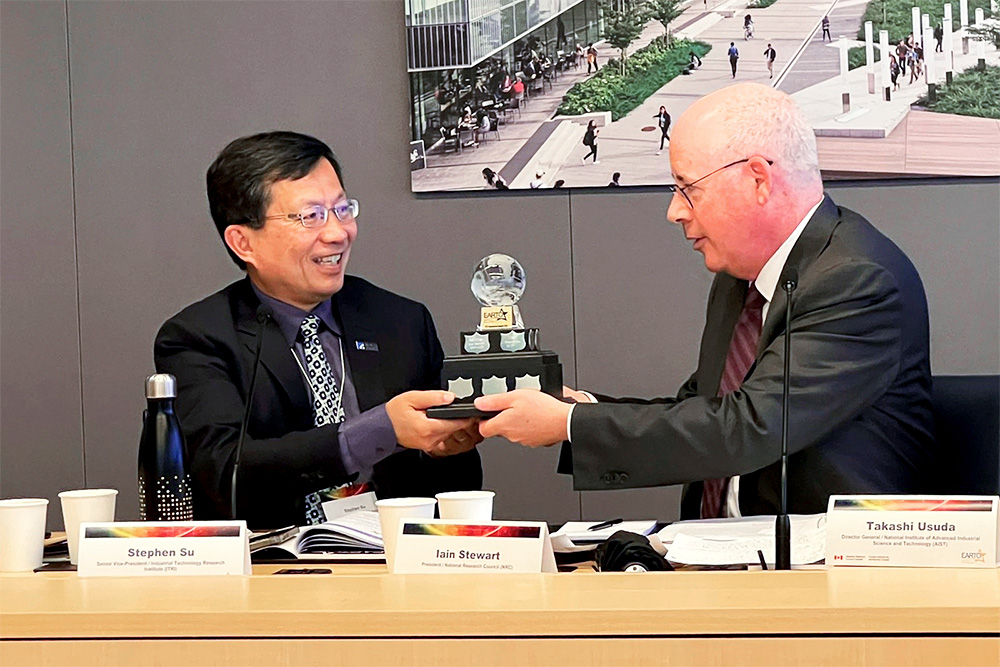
{"x": 873, "y": 138}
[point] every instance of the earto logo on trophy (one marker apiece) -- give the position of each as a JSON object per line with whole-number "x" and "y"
{"x": 501, "y": 355}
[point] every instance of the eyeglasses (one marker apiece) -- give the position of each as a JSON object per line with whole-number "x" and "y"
{"x": 316, "y": 215}
{"x": 680, "y": 189}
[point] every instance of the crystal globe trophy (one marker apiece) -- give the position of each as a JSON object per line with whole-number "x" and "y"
{"x": 501, "y": 354}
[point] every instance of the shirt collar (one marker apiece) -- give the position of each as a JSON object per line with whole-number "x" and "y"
{"x": 289, "y": 318}
{"x": 767, "y": 279}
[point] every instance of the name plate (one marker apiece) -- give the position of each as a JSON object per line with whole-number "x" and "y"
{"x": 912, "y": 531}
{"x": 334, "y": 509}
{"x": 437, "y": 546}
{"x": 154, "y": 549}
{"x": 496, "y": 317}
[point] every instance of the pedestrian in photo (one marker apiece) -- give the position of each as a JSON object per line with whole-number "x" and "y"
{"x": 747, "y": 27}
{"x": 938, "y": 36}
{"x": 913, "y": 60}
{"x": 591, "y": 58}
{"x": 826, "y": 29}
{"x": 894, "y": 71}
{"x": 558, "y": 184}
{"x": 590, "y": 140}
{"x": 769, "y": 56}
{"x": 694, "y": 60}
{"x": 663, "y": 122}
{"x": 734, "y": 55}
{"x": 537, "y": 182}
{"x": 494, "y": 180}
{"x": 901, "y": 56}
{"x": 614, "y": 180}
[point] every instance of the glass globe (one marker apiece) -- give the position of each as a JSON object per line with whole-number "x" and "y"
{"x": 498, "y": 280}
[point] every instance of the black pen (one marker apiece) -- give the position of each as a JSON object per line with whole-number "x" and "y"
{"x": 605, "y": 524}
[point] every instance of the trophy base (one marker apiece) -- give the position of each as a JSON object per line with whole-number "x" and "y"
{"x": 471, "y": 376}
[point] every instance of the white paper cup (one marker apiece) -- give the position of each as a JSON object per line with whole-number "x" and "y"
{"x": 22, "y": 533}
{"x": 391, "y": 510}
{"x": 466, "y": 505}
{"x": 85, "y": 505}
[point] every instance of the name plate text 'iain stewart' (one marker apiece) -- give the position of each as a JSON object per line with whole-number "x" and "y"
{"x": 436, "y": 546}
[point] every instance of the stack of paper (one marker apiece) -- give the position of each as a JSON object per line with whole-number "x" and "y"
{"x": 721, "y": 542}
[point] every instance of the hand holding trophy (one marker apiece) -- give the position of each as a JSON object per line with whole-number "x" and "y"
{"x": 501, "y": 355}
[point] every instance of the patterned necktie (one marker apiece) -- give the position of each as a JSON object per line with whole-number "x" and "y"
{"x": 739, "y": 359}
{"x": 326, "y": 400}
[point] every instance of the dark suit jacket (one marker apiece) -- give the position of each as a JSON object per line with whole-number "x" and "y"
{"x": 209, "y": 347}
{"x": 860, "y": 414}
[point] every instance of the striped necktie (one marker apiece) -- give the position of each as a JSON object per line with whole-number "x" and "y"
{"x": 326, "y": 400}
{"x": 739, "y": 359}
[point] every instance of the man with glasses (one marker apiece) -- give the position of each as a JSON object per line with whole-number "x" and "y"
{"x": 346, "y": 369}
{"x": 749, "y": 197}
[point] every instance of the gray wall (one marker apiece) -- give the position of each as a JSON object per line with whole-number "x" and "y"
{"x": 112, "y": 111}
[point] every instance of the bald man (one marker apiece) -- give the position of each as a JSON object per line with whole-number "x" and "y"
{"x": 749, "y": 197}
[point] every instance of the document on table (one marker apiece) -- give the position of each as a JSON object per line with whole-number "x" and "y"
{"x": 736, "y": 541}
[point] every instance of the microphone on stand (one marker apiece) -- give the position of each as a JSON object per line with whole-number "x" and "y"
{"x": 782, "y": 524}
{"x": 262, "y": 316}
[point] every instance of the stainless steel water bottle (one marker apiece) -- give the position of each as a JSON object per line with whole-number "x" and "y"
{"x": 164, "y": 482}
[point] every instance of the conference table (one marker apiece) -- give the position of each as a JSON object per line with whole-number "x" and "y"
{"x": 361, "y": 615}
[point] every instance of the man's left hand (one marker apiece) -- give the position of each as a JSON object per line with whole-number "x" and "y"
{"x": 458, "y": 442}
{"x": 529, "y": 417}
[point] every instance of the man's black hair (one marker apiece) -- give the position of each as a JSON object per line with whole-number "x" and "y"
{"x": 240, "y": 179}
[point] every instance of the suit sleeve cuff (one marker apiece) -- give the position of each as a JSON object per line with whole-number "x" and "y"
{"x": 366, "y": 439}
{"x": 569, "y": 415}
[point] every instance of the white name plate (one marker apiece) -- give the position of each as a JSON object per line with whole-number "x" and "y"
{"x": 154, "y": 549}
{"x": 334, "y": 509}
{"x": 912, "y": 531}
{"x": 436, "y": 546}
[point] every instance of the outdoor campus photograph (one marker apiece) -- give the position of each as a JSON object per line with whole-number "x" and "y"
{"x": 537, "y": 94}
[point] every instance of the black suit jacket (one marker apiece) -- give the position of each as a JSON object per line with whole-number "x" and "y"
{"x": 860, "y": 414}
{"x": 209, "y": 347}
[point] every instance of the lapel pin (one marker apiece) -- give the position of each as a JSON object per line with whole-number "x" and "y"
{"x": 366, "y": 346}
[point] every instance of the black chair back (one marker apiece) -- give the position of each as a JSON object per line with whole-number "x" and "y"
{"x": 967, "y": 429}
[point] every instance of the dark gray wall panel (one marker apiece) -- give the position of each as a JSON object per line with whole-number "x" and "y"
{"x": 40, "y": 404}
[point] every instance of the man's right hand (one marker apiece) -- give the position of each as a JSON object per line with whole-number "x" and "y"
{"x": 437, "y": 437}
{"x": 578, "y": 396}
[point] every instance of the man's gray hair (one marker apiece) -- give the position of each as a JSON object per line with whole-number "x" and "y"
{"x": 760, "y": 120}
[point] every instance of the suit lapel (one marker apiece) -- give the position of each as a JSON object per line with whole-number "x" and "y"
{"x": 814, "y": 238}
{"x": 366, "y": 365}
{"x": 275, "y": 354}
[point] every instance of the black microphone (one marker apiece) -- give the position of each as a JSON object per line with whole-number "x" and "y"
{"x": 782, "y": 524}
{"x": 263, "y": 315}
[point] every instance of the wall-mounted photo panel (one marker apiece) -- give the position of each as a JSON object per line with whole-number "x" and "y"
{"x": 530, "y": 94}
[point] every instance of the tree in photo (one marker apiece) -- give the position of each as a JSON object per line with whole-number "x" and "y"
{"x": 989, "y": 31}
{"x": 623, "y": 23}
{"x": 666, "y": 12}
